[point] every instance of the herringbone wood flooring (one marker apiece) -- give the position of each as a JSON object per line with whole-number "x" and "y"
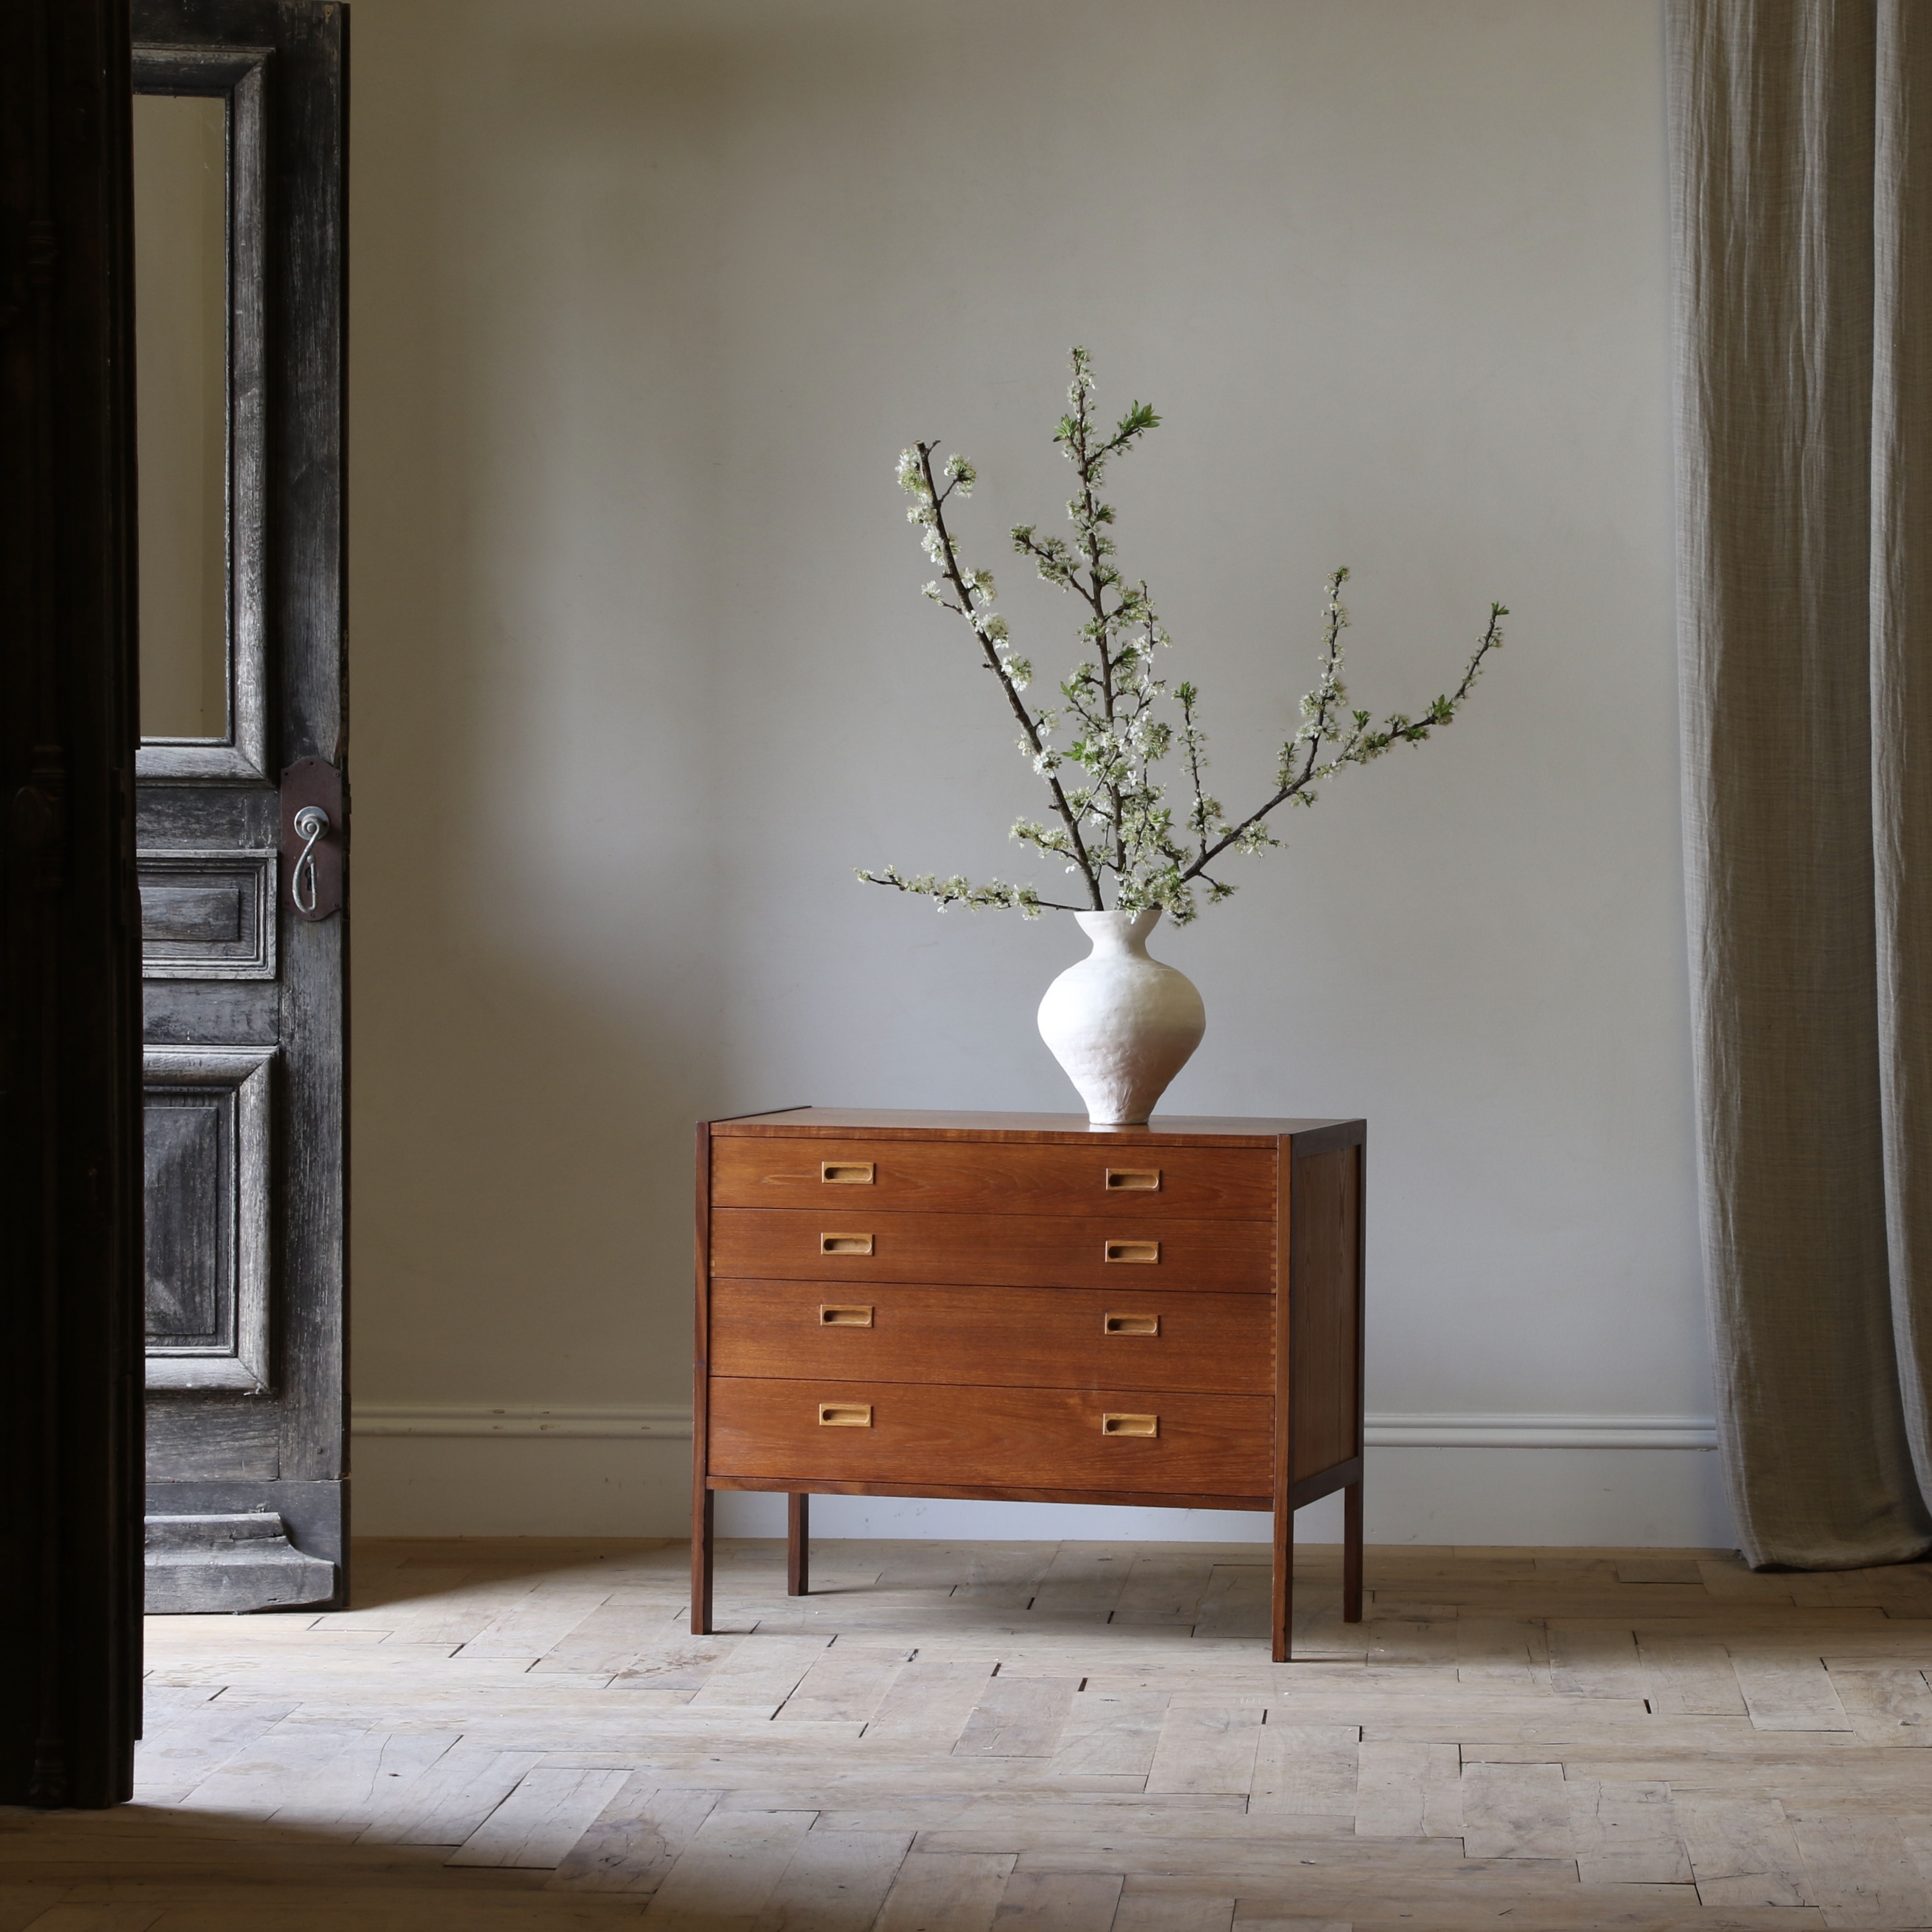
{"x": 1082, "y": 1737}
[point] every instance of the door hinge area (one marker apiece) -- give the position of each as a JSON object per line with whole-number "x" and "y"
{"x": 37, "y": 818}
{"x": 35, "y": 271}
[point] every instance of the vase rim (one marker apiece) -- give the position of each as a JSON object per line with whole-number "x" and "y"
{"x": 1114, "y": 917}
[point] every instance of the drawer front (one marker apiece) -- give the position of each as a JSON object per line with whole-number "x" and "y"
{"x": 1066, "y": 1339}
{"x": 1014, "y": 1438}
{"x": 849, "y": 1243}
{"x": 992, "y": 1177}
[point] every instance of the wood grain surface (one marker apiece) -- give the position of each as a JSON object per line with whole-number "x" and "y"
{"x": 1212, "y": 1443}
{"x": 1324, "y": 1303}
{"x": 994, "y": 1178}
{"x": 960, "y": 1254}
{"x": 287, "y": 380}
{"x": 1045, "y": 1338}
{"x": 515, "y": 1735}
{"x": 925, "y": 1123}
{"x": 989, "y": 1250}
{"x": 994, "y": 1492}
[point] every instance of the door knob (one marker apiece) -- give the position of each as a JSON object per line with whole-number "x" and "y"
{"x": 311, "y": 827}
{"x": 315, "y": 829}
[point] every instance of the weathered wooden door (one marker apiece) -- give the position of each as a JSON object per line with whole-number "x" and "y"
{"x": 240, "y": 125}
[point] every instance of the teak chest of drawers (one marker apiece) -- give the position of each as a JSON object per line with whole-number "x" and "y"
{"x": 1018, "y": 1307}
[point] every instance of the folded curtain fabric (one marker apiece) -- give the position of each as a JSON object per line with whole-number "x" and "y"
{"x": 1800, "y": 139}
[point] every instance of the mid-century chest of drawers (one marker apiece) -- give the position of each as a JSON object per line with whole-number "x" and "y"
{"x": 1019, "y": 1307}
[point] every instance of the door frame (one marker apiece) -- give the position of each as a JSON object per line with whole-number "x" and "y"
{"x": 70, "y": 1163}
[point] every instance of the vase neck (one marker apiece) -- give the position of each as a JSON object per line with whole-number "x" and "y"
{"x": 1119, "y": 935}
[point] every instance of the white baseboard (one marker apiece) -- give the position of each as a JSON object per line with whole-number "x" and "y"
{"x": 1468, "y": 1431}
{"x": 485, "y": 1469}
{"x": 672, "y": 1422}
{"x": 564, "y": 1421}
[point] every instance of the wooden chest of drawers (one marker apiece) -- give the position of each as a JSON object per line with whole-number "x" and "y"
{"x": 1018, "y": 1307}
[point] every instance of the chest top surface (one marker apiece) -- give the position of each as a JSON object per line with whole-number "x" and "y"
{"x": 914, "y": 1124}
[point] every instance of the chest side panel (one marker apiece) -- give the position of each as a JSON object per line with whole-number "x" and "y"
{"x": 1324, "y": 1303}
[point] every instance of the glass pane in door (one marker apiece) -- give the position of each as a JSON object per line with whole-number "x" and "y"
{"x": 181, "y": 348}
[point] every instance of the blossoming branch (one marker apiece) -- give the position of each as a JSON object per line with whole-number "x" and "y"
{"x": 1111, "y": 824}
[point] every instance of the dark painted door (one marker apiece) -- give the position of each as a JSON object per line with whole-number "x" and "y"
{"x": 239, "y": 148}
{"x": 69, "y": 987}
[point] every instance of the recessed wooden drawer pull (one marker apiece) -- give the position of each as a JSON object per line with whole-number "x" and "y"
{"x": 845, "y": 1244}
{"x": 1127, "y": 1251}
{"x": 1130, "y": 1324}
{"x": 845, "y": 1318}
{"x": 1133, "y": 1179}
{"x": 1130, "y": 1425}
{"x": 846, "y": 1415}
{"x": 846, "y": 1173}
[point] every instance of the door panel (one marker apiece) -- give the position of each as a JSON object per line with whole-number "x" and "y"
{"x": 244, "y": 1006}
{"x": 207, "y": 915}
{"x": 213, "y": 1438}
{"x": 210, "y": 1172}
{"x": 240, "y": 1016}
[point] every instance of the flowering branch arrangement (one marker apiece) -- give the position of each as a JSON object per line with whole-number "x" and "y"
{"x": 1096, "y": 752}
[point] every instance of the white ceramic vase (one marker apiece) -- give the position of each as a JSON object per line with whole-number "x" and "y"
{"x": 1123, "y": 1025}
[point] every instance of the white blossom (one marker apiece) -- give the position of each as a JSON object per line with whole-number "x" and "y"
{"x": 1121, "y": 735}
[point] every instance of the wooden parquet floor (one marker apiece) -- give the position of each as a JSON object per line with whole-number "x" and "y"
{"x": 516, "y": 1737}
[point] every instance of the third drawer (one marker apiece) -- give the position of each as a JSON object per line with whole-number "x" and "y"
{"x": 1058, "y": 1338}
{"x": 850, "y": 1244}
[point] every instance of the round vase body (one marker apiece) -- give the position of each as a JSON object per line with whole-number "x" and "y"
{"x": 1123, "y": 1025}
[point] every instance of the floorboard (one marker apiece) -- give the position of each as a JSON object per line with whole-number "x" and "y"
{"x": 521, "y": 1735}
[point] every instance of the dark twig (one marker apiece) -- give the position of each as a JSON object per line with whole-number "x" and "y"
{"x": 1120, "y": 738}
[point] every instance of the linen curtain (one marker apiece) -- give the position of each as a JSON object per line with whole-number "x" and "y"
{"x": 1800, "y": 136}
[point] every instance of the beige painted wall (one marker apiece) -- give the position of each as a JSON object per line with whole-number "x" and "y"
{"x": 646, "y": 298}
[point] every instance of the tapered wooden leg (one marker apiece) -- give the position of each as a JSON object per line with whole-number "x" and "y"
{"x": 1283, "y": 1604}
{"x": 798, "y": 1553}
{"x": 1351, "y": 1554}
{"x": 703, "y": 1508}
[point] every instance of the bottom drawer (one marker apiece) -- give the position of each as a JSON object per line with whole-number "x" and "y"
{"x": 1158, "y": 1442}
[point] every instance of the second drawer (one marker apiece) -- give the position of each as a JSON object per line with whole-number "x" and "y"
{"x": 1117, "y": 1254}
{"x": 1054, "y": 1338}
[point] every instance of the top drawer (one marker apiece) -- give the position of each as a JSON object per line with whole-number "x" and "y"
{"x": 992, "y": 1177}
